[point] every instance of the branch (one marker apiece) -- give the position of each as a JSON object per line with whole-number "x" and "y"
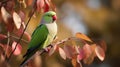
{"x": 40, "y": 52}
{"x": 21, "y": 35}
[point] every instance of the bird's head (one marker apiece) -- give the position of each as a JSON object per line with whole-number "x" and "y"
{"x": 49, "y": 17}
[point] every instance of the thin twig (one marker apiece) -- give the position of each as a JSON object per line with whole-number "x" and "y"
{"x": 21, "y": 35}
{"x": 19, "y": 38}
{"x": 8, "y": 42}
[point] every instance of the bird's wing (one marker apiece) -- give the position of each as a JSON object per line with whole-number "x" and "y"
{"x": 38, "y": 38}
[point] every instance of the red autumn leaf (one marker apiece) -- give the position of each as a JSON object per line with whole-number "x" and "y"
{"x": 70, "y": 51}
{"x": 89, "y": 54}
{"x": 40, "y": 4}
{"x": 17, "y": 20}
{"x": 62, "y": 53}
{"x": 18, "y": 48}
{"x": 7, "y": 19}
{"x": 10, "y": 25}
{"x": 81, "y": 54}
{"x": 19, "y": 32}
{"x": 5, "y": 15}
{"x": 83, "y": 36}
{"x": 2, "y": 36}
{"x": 47, "y": 6}
{"x": 23, "y": 25}
{"x": 43, "y": 5}
{"x": 52, "y": 50}
{"x": 103, "y": 45}
{"x": 87, "y": 50}
{"x": 100, "y": 53}
{"x": 22, "y": 15}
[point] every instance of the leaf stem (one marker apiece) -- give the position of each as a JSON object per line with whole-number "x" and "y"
{"x": 19, "y": 38}
{"x": 8, "y": 42}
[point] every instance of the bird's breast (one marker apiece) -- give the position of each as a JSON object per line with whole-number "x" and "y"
{"x": 52, "y": 28}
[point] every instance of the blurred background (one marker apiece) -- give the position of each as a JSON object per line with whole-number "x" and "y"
{"x": 98, "y": 19}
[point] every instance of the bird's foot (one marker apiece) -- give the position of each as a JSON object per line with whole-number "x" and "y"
{"x": 47, "y": 49}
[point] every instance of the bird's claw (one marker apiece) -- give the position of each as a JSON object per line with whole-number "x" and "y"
{"x": 47, "y": 49}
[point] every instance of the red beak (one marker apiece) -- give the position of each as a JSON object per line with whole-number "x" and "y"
{"x": 54, "y": 17}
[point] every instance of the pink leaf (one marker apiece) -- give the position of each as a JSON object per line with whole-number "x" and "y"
{"x": 18, "y": 48}
{"x": 19, "y": 32}
{"x": 88, "y": 50}
{"x": 47, "y": 5}
{"x": 22, "y": 15}
{"x": 8, "y": 20}
{"x": 10, "y": 25}
{"x": 17, "y": 20}
{"x": 89, "y": 54}
{"x": 103, "y": 45}
{"x": 5, "y": 15}
{"x": 70, "y": 51}
{"x": 23, "y": 25}
{"x": 2, "y": 36}
{"x": 52, "y": 50}
{"x": 81, "y": 54}
{"x": 62, "y": 53}
{"x": 100, "y": 53}
{"x": 40, "y": 4}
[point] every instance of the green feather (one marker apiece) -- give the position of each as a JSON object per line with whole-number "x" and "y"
{"x": 39, "y": 36}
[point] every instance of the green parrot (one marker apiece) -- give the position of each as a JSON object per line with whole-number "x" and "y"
{"x": 43, "y": 35}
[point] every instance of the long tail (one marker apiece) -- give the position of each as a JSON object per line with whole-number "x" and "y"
{"x": 27, "y": 57}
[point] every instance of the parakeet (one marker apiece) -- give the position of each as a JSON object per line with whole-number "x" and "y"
{"x": 43, "y": 35}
